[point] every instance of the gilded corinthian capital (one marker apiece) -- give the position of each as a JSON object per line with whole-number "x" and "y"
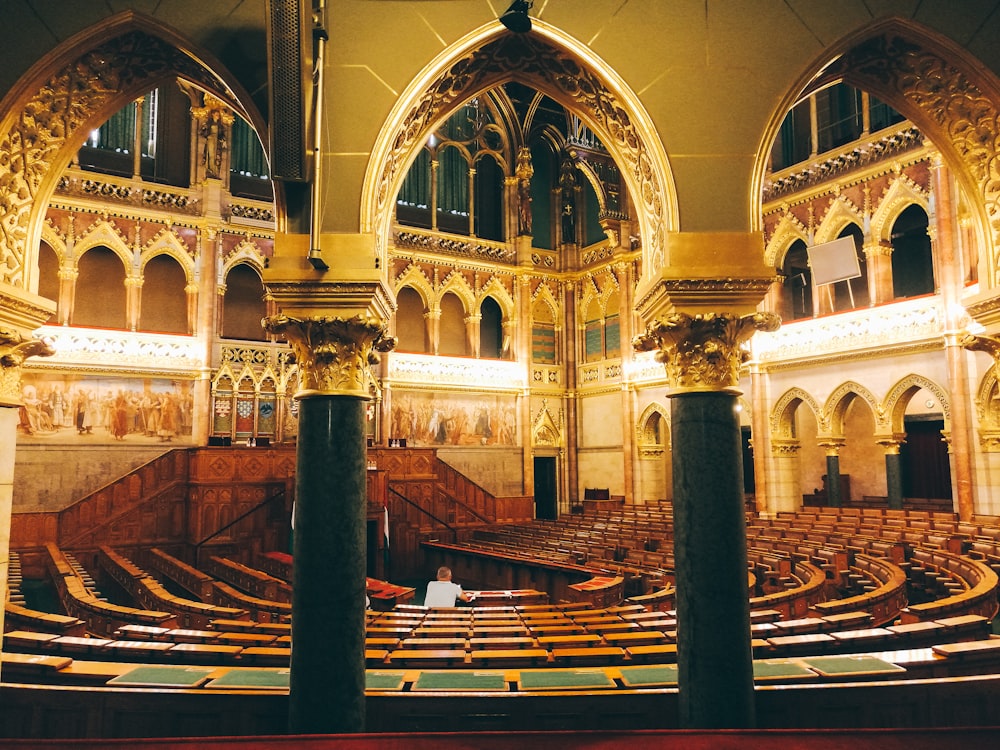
{"x": 702, "y": 352}
{"x": 14, "y": 349}
{"x": 334, "y": 355}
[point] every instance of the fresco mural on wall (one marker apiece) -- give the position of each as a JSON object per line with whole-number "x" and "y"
{"x": 66, "y": 408}
{"x": 435, "y": 419}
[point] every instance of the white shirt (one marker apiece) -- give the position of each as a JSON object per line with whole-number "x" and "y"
{"x": 442, "y": 594}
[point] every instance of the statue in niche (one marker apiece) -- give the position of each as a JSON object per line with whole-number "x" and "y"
{"x": 567, "y": 201}
{"x": 523, "y": 172}
{"x": 214, "y": 134}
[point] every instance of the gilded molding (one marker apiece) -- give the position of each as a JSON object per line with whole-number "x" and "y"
{"x": 68, "y": 100}
{"x": 14, "y": 349}
{"x": 966, "y": 118}
{"x": 334, "y": 355}
{"x": 554, "y": 72}
{"x": 703, "y": 352}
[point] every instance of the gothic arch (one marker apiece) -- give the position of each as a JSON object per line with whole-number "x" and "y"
{"x": 494, "y": 288}
{"x": 900, "y": 195}
{"x": 166, "y": 242}
{"x": 841, "y": 398}
{"x": 896, "y": 400}
{"x": 788, "y": 230}
{"x": 245, "y": 253}
{"x": 840, "y": 214}
{"x": 554, "y": 64}
{"x": 949, "y": 95}
{"x": 415, "y": 279}
{"x": 645, "y": 432}
{"x": 104, "y": 234}
{"x": 455, "y": 283}
{"x": 71, "y": 91}
{"x": 783, "y": 413}
{"x": 543, "y": 295}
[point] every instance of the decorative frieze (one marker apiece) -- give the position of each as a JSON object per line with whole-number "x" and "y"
{"x": 455, "y": 372}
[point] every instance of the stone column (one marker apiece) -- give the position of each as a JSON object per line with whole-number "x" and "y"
{"x": 832, "y": 447}
{"x": 893, "y": 474}
{"x": 334, "y": 355}
{"x": 20, "y": 313}
{"x": 568, "y": 362}
{"x": 702, "y": 354}
{"x": 878, "y": 257}
{"x": 760, "y": 437}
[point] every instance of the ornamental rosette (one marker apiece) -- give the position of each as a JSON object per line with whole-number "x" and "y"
{"x": 334, "y": 355}
{"x": 703, "y": 352}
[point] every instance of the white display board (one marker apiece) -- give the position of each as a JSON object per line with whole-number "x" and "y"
{"x": 835, "y": 261}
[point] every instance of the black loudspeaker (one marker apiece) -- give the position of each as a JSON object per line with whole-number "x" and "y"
{"x": 289, "y": 67}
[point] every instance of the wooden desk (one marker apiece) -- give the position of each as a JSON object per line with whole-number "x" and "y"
{"x": 635, "y": 638}
{"x": 509, "y": 657}
{"x": 556, "y": 641}
{"x": 503, "y": 642}
{"x": 590, "y": 656}
{"x": 252, "y": 679}
{"x": 203, "y": 653}
{"x": 433, "y": 658}
{"x": 245, "y": 639}
{"x": 433, "y": 643}
{"x": 654, "y": 653}
{"x": 266, "y": 656}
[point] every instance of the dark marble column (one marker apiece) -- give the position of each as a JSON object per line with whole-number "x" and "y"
{"x": 702, "y": 355}
{"x": 710, "y": 557}
{"x": 894, "y": 478}
{"x": 327, "y": 684}
{"x": 833, "y": 498}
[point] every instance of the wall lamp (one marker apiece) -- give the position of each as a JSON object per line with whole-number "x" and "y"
{"x": 516, "y": 17}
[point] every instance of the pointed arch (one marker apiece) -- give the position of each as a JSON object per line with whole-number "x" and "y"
{"x": 838, "y": 402}
{"x": 896, "y": 400}
{"x": 783, "y": 413}
{"x": 556, "y": 65}
{"x": 414, "y": 278}
{"x": 68, "y": 93}
{"x": 900, "y": 195}
{"x": 455, "y": 283}
{"x": 166, "y": 242}
{"x": 960, "y": 113}
{"x": 840, "y": 214}
{"x": 788, "y": 230}
{"x": 494, "y": 288}
{"x": 104, "y": 234}
{"x": 652, "y": 430}
{"x": 246, "y": 252}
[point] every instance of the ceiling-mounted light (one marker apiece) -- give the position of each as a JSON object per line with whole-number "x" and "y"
{"x": 516, "y": 17}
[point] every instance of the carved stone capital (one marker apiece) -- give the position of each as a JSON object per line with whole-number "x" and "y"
{"x": 335, "y": 356}
{"x": 14, "y": 349}
{"x": 988, "y": 344}
{"x": 703, "y": 352}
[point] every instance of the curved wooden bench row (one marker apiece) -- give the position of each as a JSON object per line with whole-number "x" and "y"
{"x": 977, "y": 597}
{"x": 264, "y": 610}
{"x": 249, "y": 580}
{"x": 102, "y": 617}
{"x": 151, "y": 594}
{"x": 885, "y": 602}
{"x": 18, "y": 617}
{"x": 186, "y": 576}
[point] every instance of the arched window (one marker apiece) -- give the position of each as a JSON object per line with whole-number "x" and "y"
{"x": 453, "y": 341}
{"x": 912, "y": 263}
{"x": 543, "y": 334}
{"x": 164, "y": 301}
{"x": 797, "y": 283}
{"x": 612, "y": 328}
{"x": 593, "y": 337}
{"x": 243, "y": 305}
{"x": 411, "y": 327}
{"x": 99, "y": 301}
{"x": 489, "y": 182}
{"x": 490, "y": 329}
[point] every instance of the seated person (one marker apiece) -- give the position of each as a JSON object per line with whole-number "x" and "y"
{"x": 444, "y": 593}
